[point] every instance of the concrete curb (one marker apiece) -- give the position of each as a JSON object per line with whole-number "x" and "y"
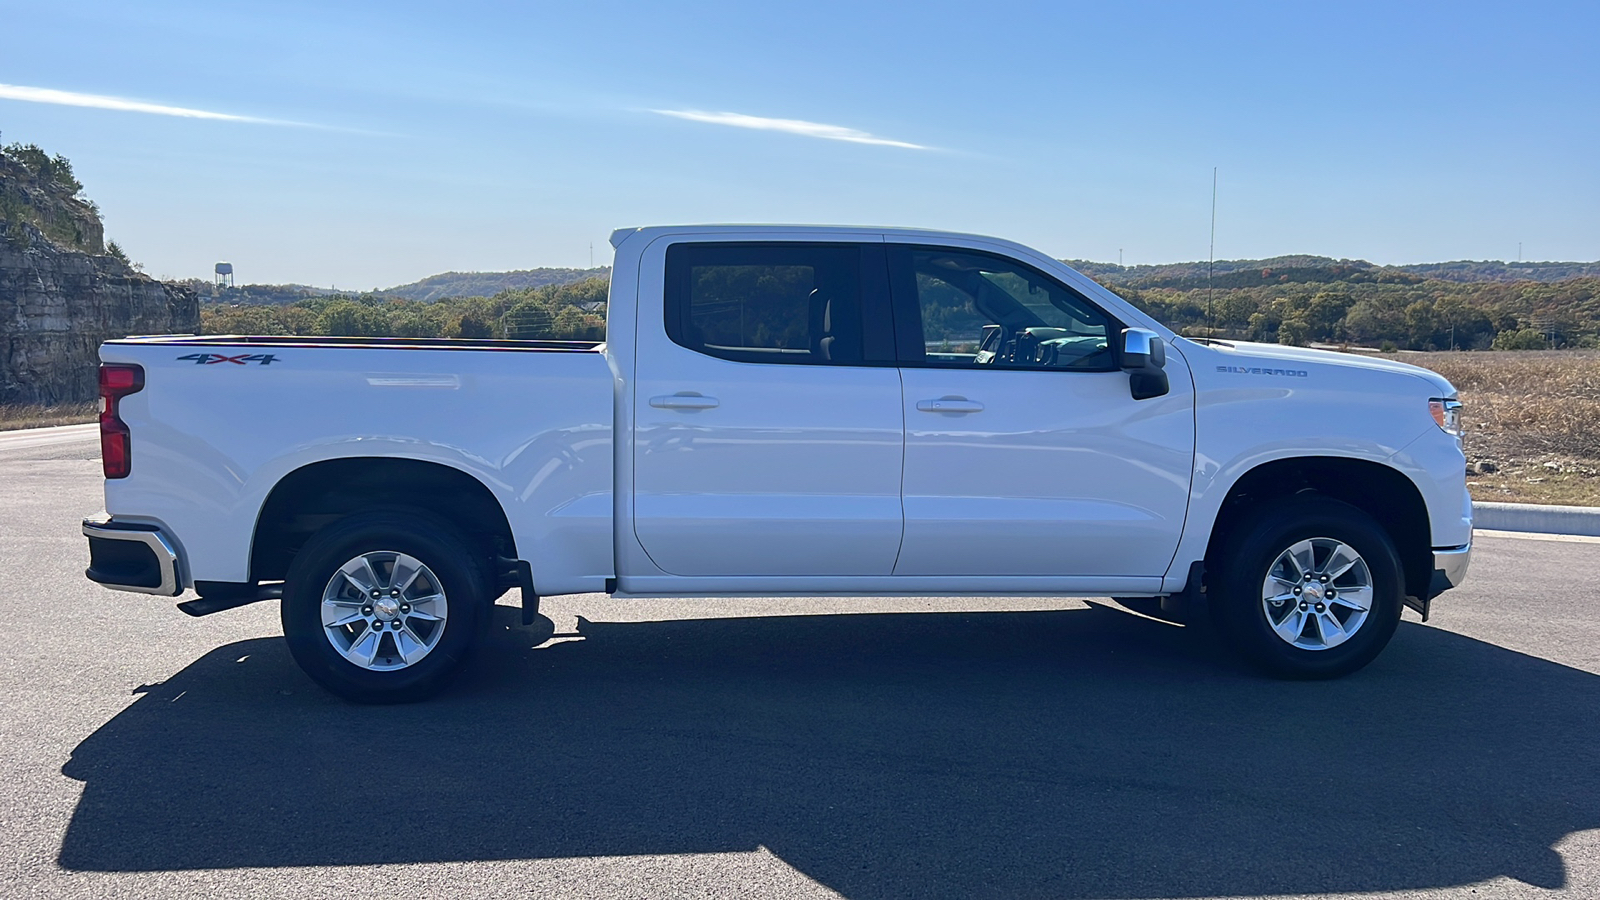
{"x": 25, "y": 438}
{"x": 1583, "y": 520}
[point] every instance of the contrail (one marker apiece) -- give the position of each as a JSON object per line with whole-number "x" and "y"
{"x": 121, "y": 104}
{"x": 789, "y": 126}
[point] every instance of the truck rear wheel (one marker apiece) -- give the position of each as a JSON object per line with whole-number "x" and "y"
{"x": 383, "y": 607}
{"x": 1307, "y": 588}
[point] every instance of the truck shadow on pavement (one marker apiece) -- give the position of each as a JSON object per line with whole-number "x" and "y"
{"x": 1078, "y": 753}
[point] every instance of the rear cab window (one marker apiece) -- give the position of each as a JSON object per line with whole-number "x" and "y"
{"x": 787, "y": 303}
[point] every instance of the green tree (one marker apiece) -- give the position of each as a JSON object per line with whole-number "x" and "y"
{"x": 1520, "y": 339}
{"x": 53, "y": 170}
{"x": 1375, "y": 319}
{"x": 1420, "y": 325}
{"x": 473, "y": 325}
{"x": 344, "y": 316}
{"x": 1324, "y": 314}
{"x": 1264, "y": 324}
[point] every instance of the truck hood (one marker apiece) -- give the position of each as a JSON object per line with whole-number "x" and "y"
{"x": 1239, "y": 352}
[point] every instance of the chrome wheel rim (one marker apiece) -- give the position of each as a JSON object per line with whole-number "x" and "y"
{"x": 384, "y": 610}
{"x": 1317, "y": 594}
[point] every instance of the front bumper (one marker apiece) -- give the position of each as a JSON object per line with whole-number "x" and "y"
{"x": 1449, "y": 568}
{"x": 128, "y": 556}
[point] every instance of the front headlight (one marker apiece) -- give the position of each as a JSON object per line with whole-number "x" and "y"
{"x": 1446, "y": 414}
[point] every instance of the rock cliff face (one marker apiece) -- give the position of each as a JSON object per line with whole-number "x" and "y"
{"x": 61, "y": 294}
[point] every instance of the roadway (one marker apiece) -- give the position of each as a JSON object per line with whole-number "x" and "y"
{"x": 760, "y": 748}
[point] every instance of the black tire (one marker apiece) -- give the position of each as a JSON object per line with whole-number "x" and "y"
{"x": 1246, "y": 558}
{"x": 441, "y": 548}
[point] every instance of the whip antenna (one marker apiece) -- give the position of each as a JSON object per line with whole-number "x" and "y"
{"x": 1211, "y": 261}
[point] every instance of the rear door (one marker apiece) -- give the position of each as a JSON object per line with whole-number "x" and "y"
{"x": 767, "y": 410}
{"x": 1025, "y": 451}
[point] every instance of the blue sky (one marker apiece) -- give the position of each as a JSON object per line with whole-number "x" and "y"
{"x": 381, "y": 142}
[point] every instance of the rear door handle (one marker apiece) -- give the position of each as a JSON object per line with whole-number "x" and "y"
{"x": 684, "y": 401}
{"x": 950, "y": 405}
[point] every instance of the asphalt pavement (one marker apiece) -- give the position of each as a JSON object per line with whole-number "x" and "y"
{"x": 888, "y": 748}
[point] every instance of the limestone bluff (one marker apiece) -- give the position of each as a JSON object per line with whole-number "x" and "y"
{"x": 61, "y": 292}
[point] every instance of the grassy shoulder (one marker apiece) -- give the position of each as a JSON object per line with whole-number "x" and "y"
{"x": 1531, "y": 419}
{"x": 18, "y": 415}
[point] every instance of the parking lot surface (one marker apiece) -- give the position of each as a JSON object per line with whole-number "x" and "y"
{"x": 906, "y": 747}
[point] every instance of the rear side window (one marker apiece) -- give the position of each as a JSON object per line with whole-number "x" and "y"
{"x": 768, "y": 303}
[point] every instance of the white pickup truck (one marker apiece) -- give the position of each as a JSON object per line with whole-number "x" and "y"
{"x": 783, "y": 411}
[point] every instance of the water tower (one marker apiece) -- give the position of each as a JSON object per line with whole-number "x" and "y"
{"x": 224, "y": 275}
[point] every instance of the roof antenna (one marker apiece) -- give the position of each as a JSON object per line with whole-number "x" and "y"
{"x": 1211, "y": 262}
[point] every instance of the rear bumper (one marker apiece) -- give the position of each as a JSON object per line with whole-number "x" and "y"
{"x": 130, "y": 556}
{"x": 1449, "y": 568}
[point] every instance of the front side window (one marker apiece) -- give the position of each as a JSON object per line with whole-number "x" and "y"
{"x": 773, "y": 303}
{"x": 975, "y": 309}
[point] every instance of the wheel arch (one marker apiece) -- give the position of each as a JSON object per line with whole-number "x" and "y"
{"x": 1381, "y": 491}
{"x": 319, "y": 493}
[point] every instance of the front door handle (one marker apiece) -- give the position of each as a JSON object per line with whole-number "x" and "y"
{"x": 684, "y": 401}
{"x": 950, "y": 405}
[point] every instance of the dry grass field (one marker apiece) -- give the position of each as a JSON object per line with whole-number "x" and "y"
{"x": 21, "y": 415}
{"x": 1531, "y": 422}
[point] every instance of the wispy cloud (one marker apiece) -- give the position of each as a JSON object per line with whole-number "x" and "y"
{"x": 100, "y": 101}
{"x": 788, "y": 126}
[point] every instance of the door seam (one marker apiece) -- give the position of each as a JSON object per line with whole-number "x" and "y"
{"x": 901, "y": 377}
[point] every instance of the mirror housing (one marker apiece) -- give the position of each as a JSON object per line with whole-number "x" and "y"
{"x": 1144, "y": 355}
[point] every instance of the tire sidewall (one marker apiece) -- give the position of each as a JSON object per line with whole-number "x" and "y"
{"x": 1259, "y": 540}
{"x": 438, "y": 547}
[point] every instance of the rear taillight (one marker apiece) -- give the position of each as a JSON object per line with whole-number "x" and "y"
{"x": 116, "y": 446}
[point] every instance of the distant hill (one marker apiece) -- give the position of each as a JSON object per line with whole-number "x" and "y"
{"x": 1242, "y": 272}
{"x": 488, "y": 284}
{"x": 254, "y": 294}
{"x": 1237, "y": 273}
{"x": 1230, "y": 273}
{"x": 1491, "y": 270}
{"x": 435, "y": 287}
{"x": 1286, "y": 299}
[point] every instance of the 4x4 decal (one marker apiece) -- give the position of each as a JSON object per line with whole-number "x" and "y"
{"x": 211, "y": 359}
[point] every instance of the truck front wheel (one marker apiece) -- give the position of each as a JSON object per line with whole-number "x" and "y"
{"x": 1308, "y": 587}
{"x": 383, "y": 606}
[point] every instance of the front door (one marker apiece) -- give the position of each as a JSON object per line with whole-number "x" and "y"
{"x": 1025, "y": 452}
{"x": 768, "y": 432}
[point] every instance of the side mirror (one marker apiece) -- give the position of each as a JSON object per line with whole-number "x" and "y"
{"x": 1144, "y": 355}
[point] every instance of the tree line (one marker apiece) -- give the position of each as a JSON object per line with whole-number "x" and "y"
{"x": 1372, "y": 309}
{"x": 1422, "y": 315}
{"x": 574, "y": 311}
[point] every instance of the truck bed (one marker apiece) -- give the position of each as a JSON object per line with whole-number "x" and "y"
{"x": 374, "y": 343}
{"x": 224, "y": 420}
